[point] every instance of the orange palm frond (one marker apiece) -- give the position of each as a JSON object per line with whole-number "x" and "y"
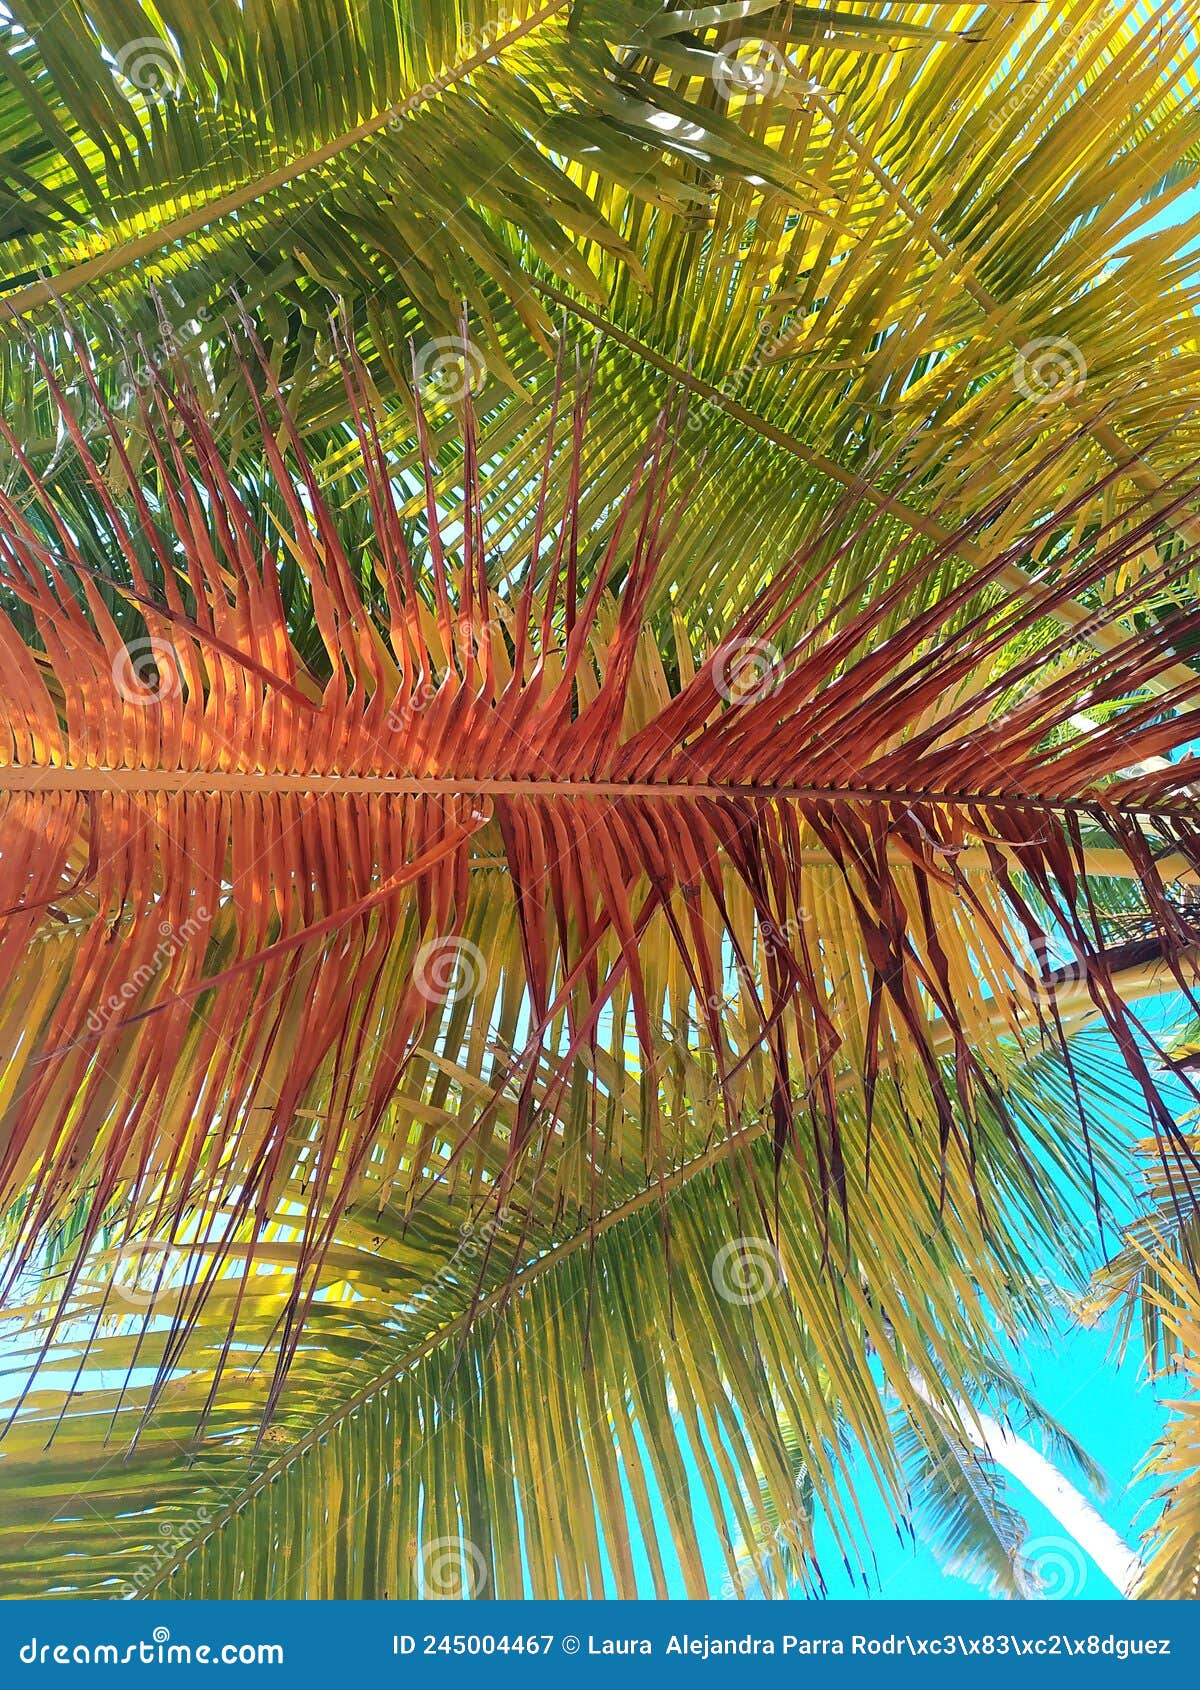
{"x": 226, "y": 880}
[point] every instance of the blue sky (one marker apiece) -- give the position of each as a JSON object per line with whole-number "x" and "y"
{"x": 1108, "y": 1404}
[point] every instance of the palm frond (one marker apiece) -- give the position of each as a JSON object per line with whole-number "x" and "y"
{"x": 679, "y": 748}
{"x": 220, "y": 994}
{"x": 962, "y": 1510}
{"x": 1163, "y": 1288}
{"x": 575, "y": 1387}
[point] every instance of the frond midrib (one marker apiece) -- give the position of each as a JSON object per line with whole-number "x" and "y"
{"x": 16, "y": 777}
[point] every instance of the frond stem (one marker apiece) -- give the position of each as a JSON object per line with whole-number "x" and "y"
{"x": 53, "y": 778}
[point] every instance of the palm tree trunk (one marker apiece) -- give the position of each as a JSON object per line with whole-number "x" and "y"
{"x": 1042, "y": 1479}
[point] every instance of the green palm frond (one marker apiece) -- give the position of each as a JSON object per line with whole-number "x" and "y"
{"x": 1155, "y": 1277}
{"x": 1142, "y": 1280}
{"x": 1151, "y": 1283}
{"x": 641, "y": 1374}
{"x": 962, "y": 1509}
{"x": 403, "y": 161}
{"x": 882, "y": 353}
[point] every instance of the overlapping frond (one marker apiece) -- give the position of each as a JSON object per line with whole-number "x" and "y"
{"x": 957, "y": 308}
{"x": 530, "y": 1404}
{"x": 402, "y": 160}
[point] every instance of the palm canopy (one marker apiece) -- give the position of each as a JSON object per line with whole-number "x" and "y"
{"x": 474, "y": 824}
